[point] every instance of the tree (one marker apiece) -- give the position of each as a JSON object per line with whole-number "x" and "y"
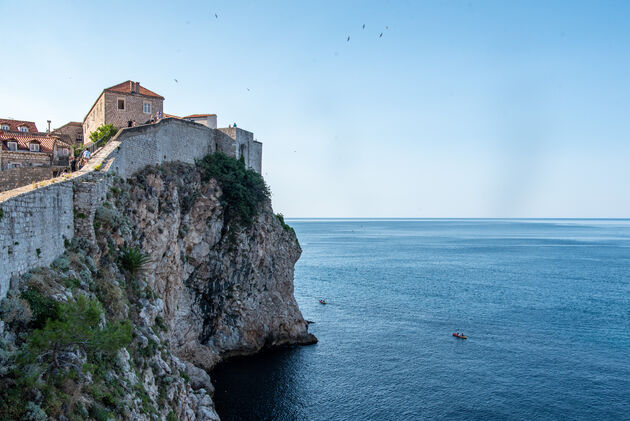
{"x": 103, "y": 134}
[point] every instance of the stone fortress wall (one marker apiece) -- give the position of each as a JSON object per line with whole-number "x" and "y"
{"x": 35, "y": 223}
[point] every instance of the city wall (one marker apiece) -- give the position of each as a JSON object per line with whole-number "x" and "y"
{"x": 35, "y": 222}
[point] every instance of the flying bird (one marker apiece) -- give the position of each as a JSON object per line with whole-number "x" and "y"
{"x": 348, "y": 40}
{"x": 364, "y": 26}
{"x": 386, "y": 27}
{"x": 380, "y": 35}
{"x": 176, "y": 81}
{"x": 248, "y": 89}
{"x": 216, "y": 16}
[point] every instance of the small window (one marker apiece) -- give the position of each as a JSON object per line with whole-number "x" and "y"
{"x": 121, "y": 104}
{"x": 147, "y": 108}
{"x": 5, "y": 127}
{"x": 23, "y": 129}
{"x": 34, "y": 147}
{"x": 64, "y": 152}
{"x": 12, "y": 146}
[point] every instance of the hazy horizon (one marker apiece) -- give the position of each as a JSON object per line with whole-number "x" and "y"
{"x": 474, "y": 109}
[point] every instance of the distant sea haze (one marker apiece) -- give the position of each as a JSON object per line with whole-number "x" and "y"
{"x": 545, "y": 305}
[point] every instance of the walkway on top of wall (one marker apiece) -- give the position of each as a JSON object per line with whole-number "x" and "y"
{"x": 96, "y": 160}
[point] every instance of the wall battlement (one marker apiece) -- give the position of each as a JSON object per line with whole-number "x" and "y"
{"x": 37, "y": 221}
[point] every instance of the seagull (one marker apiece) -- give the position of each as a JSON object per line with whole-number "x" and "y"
{"x": 386, "y": 27}
{"x": 216, "y": 16}
{"x": 364, "y": 26}
{"x": 380, "y": 35}
{"x": 176, "y": 81}
{"x": 248, "y": 89}
{"x": 348, "y": 40}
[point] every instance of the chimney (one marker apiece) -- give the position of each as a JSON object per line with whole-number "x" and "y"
{"x": 48, "y": 130}
{"x": 137, "y": 87}
{"x": 131, "y": 87}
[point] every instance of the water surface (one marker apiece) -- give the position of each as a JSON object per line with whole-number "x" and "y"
{"x": 545, "y": 303}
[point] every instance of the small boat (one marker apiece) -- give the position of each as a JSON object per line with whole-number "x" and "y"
{"x": 322, "y": 301}
{"x": 460, "y": 336}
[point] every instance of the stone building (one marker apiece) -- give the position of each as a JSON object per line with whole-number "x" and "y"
{"x": 208, "y": 120}
{"x": 71, "y": 133}
{"x": 121, "y": 105}
{"x": 246, "y": 147}
{"x": 20, "y": 150}
{"x": 27, "y": 156}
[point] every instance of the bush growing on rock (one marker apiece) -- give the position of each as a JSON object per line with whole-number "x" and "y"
{"x": 133, "y": 260}
{"x": 243, "y": 189}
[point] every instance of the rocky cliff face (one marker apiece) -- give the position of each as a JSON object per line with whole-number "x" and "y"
{"x": 195, "y": 286}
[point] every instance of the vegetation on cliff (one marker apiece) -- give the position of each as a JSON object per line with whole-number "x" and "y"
{"x": 243, "y": 189}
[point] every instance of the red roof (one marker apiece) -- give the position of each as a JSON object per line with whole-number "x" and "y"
{"x": 23, "y": 140}
{"x": 14, "y": 124}
{"x": 171, "y": 116}
{"x": 130, "y": 87}
{"x": 200, "y": 115}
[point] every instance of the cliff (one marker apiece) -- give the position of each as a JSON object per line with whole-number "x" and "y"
{"x": 181, "y": 267}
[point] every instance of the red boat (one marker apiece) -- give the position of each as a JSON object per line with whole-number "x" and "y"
{"x": 460, "y": 336}
{"x": 322, "y": 302}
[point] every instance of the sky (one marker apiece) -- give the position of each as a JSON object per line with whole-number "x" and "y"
{"x": 488, "y": 109}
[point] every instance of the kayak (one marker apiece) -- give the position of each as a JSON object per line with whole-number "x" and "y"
{"x": 322, "y": 302}
{"x": 457, "y": 335}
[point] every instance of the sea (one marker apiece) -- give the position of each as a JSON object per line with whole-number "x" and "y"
{"x": 545, "y": 305}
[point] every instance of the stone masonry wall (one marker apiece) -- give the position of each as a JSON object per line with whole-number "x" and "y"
{"x": 17, "y": 177}
{"x": 94, "y": 119}
{"x": 133, "y": 108}
{"x": 169, "y": 140}
{"x": 33, "y": 227}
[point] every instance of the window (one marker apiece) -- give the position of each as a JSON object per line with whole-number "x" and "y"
{"x": 34, "y": 147}
{"x": 121, "y": 104}
{"x": 12, "y": 146}
{"x": 23, "y": 129}
{"x": 147, "y": 108}
{"x": 64, "y": 152}
{"x": 14, "y": 165}
{"x": 6, "y": 127}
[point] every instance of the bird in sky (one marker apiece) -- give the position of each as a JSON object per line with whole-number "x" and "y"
{"x": 380, "y": 35}
{"x": 386, "y": 27}
{"x": 248, "y": 89}
{"x": 364, "y": 26}
{"x": 216, "y": 16}
{"x": 348, "y": 40}
{"x": 176, "y": 81}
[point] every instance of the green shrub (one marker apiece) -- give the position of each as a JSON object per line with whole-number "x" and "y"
{"x": 286, "y": 226}
{"x": 133, "y": 260}
{"x": 77, "y": 328}
{"x": 43, "y": 308}
{"x": 103, "y": 134}
{"x": 243, "y": 189}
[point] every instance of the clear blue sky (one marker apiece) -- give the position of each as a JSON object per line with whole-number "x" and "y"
{"x": 461, "y": 109}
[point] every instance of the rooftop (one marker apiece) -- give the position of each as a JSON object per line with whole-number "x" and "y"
{"x": 14, "y": 124}
{"x": 130, "y": 87}
{"x": 47, "y": 142}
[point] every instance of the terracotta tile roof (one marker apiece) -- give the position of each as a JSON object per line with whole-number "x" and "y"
{"x": 200, "y": 115}
{"x": 14, "y": 124}
{"x": 128, "y": 87}
{"x": 47, "y": 142}
{"x": 171, "y": 116}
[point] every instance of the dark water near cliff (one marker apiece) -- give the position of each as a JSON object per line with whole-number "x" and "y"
{"x": 546, "y": 306}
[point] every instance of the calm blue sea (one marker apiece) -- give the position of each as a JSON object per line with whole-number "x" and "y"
{"x": 545, "y": 305}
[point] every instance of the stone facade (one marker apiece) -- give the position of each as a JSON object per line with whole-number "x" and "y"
{"x": 71, "y": 133}
{"x": 33, "y": 227}
{"x": 121, "y": 104}
{"x": 246, "y": 147}
{"x": 18, "y": 177}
